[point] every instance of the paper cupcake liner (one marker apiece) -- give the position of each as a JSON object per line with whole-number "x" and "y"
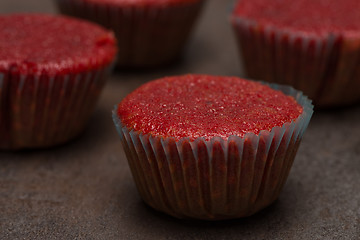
{"x": 39, "y": 111}
{"x": 216, "y": 179}
{"x": 146, "y": 35}
{"x": 325, "y": 68}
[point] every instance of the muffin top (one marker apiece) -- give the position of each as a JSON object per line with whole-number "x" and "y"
{"x": 205, "y": 106}
{"x": 141, "y": 2}
{"x": 36, "y": 43}
{"x": 315, "y": 17}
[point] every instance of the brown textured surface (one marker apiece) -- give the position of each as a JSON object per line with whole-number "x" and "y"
{"x": 84, "y": 190}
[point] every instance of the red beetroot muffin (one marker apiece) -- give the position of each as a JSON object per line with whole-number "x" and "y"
{"x": 52, "y": 70}
{"x": 312, "y": 45}
{"x": 211, "y": 147}
{"x": 149, "y": 32}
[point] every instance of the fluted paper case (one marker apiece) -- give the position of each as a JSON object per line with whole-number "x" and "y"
{"x": 324, "y": 67}
{"x": 38, "y": 111}
{"x": 147, "y": 34}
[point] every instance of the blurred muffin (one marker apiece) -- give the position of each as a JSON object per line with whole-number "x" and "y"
{"x": 149, "y": 32}
{"x": 52, "y": 70}
{"x": 313, "y": 45}
{"x": 211, "y": 147}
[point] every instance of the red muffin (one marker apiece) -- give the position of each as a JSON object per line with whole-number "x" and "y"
{"x": 149, "y": 32}
{"x": 312, "y": 45}
{"x": 52, "y": 70}
{"x": 211, "y": 147}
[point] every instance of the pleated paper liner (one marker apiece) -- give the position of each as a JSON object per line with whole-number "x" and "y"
{"x": 325, "y": 68}
{"x": 40, "y": 110}
{"x": 217, "y": 179}
{"x": 147, "y": 35}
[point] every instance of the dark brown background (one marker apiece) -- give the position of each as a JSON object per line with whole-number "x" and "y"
{"x": 84, "y": 190}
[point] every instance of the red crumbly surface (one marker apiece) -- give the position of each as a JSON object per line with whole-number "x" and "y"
{"x": 141, "y": 2}
{"x": 205, "y": 106}
{"x": 318, "y": 17}
{"x": 44, "y": 44}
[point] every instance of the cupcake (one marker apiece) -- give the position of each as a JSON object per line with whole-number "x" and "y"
{"x": 52, "y": 70}
{"x": 149, "y": 32}
{"x": 312, "y": 45}
{"x": 211, "y": 147}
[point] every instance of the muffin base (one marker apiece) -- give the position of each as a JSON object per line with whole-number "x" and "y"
{"x": 325, "y": 68}
{"x": 40, "y": 111}
{"x": 216, "y": 179}
{"x": 147, "y": 36}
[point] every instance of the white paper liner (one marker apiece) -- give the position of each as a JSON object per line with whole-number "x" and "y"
{"x": 324, "y": 67}
{"x": 147, "y": 35}
{"x": 39, "y": 111}
{"x": 214, "y": 179}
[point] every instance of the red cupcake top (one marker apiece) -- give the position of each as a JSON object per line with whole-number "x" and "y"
{"x": 317, "y": 17}
{"x": 205, "y": 106}
{"x": 141, "y": 2}
{"x": 35, "y": 43}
